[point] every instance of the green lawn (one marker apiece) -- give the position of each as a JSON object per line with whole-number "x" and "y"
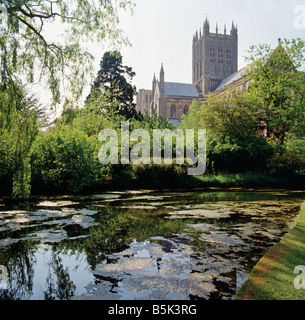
{"x": 249, "y": 180}
{"x": 273, "y": 277}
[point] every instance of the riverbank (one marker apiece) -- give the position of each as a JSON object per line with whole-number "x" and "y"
{"x": 250, "y": 180}
{"x": 273, "y": 277}
{"x": 173, "y": 178}
{"x": 160, "y": 179}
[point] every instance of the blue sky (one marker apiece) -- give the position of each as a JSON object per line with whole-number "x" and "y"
{"x": 161, "y": 31}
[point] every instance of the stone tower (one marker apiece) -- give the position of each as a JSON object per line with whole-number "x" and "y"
{"x": 215, "y": 57}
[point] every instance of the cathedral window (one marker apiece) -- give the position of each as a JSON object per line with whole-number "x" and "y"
{"x": 186, "y": 110}
{"x": 173, "y": 111}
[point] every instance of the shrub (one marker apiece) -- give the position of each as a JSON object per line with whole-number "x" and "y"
{"x": 246, "y": 154}
{"x": 161, "y": 176}
{"x": 66, "y": 160}
{"x": 284, "y": 164}
{"x": 151, "y": 176}
{"x": 122, "y": 175}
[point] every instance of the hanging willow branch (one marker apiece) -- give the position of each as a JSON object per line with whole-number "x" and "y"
{"x": 26, "y": 51}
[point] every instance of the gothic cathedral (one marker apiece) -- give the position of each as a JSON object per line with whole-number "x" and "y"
{"x": 215, "y": 63}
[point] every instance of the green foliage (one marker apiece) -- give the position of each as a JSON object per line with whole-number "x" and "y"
{"x": 112, "y": 81}
{"x": 230, "y": 122}
{"x": 273, "y": 108}
{"x": 18, "y": 129}
{"x": 229, "y": 114}
{"x": 26, "y": 49}
{"x": 285, "y": 164}
{"x": 190, "y": 121}
{"x": 66, "y": 160}
{"x": 295, "y": 145}
{"x": 238, "y": 180}
{"x": 123, "y": 176}
{"x": 28, "y": 52}
{"x": 248, "y": 153}
{"x": 277, "y": 87}
{"x": 161, "y": 176}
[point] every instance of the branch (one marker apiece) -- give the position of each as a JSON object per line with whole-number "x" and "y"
{"x": 33, "y": 29}
{"x": 41, "y": 15}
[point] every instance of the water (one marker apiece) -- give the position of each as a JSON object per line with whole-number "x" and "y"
{"x": 140, "y": 244}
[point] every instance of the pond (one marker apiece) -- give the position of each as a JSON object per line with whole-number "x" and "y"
{"x": 147, "y": 245}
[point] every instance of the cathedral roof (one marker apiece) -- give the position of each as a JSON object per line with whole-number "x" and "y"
{"x": 181, "y": 89}
{"x": 231, "y": 79}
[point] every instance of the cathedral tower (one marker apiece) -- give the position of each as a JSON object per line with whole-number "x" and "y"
{"x": 215, "y": 57}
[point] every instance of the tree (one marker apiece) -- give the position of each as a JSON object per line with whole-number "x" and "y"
{"x": 18, "y": 129}
{"x": 190, "y": 120}
{"x": 229, "y": 114}
{"x": 112, "y": 81}
{"x": 277, "y": 88}
{"x": 25, "y": 47}
{"x": 28, "y": 54}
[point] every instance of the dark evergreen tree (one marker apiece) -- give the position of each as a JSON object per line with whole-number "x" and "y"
{"x": 113, "y": 82}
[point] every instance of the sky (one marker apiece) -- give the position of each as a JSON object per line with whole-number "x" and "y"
{"x": 161, "y": 31}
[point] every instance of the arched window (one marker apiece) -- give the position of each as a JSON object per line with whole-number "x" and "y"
{"x": 173, "y": 111}
{"x": 186, "y": 110}
{"x": 146, "y": 98}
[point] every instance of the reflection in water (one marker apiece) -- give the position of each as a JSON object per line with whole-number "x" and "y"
{"x": 59, "y": 286}
{"x": 140, "y": 245}
{"x": 20, "y": 270}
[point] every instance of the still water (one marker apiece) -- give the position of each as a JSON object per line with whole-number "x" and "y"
{"x": 140, "y": 244}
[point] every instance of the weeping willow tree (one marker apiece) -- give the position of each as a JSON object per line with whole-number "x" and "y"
{"x": 18, "y": 128}
{"x": 47, "y": 40}
{"x": 31, "y": 54}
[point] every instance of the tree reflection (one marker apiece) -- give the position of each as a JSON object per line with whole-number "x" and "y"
{"x": 59, "y": 285}
{"x": 118, "y": 228}
{"x": 19, "y": 260}
{"x": 113, "y": 232}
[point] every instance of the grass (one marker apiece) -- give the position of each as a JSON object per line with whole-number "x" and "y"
{"x": 248, "y": 180}
{"x": 273, "y": 277}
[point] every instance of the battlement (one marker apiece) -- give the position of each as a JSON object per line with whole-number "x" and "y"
{"x": 214, "y": 56}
